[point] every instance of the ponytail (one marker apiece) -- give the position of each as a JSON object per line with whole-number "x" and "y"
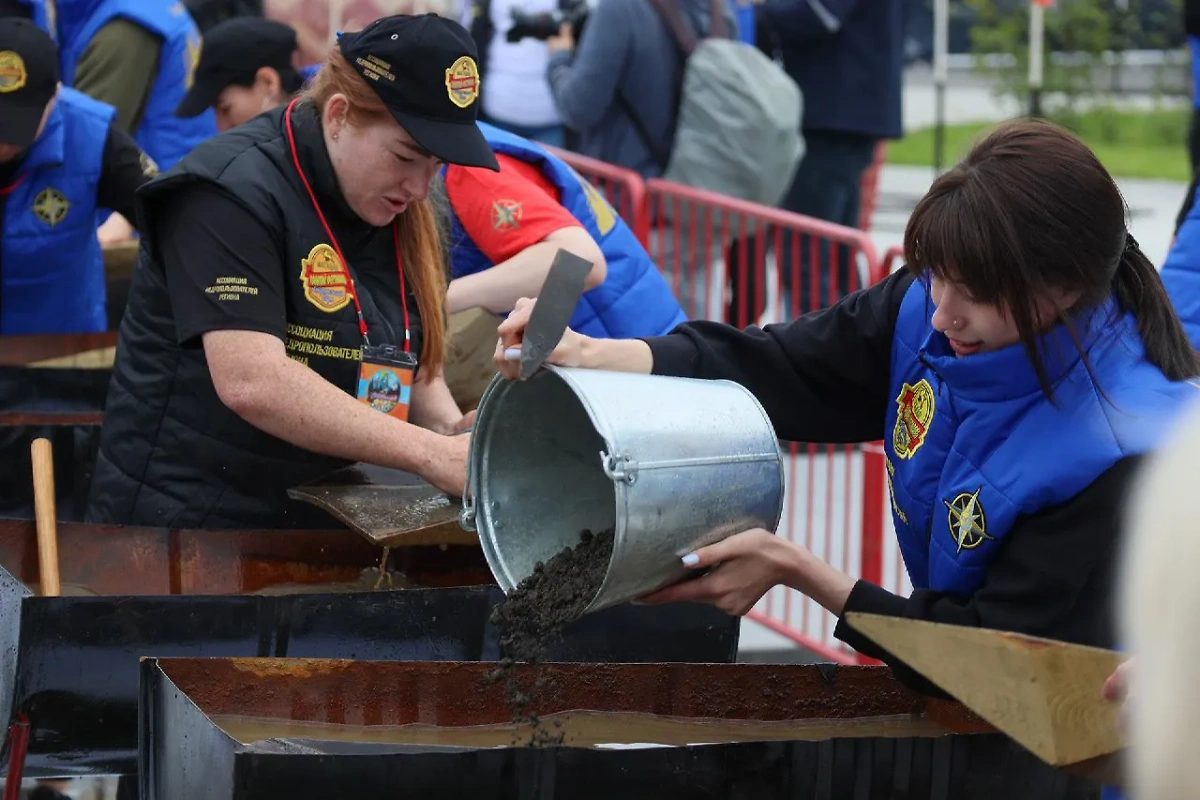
{"x": 1140, "y": 290}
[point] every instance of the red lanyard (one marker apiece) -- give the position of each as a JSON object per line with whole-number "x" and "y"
{"x": 362, "y": 323}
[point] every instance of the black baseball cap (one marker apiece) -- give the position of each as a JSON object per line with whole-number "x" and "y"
{"x": 425, "y": 69}
{"x": 28, "y": 79}
{"x": 232, "y": 52}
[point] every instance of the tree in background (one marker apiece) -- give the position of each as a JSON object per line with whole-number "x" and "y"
{"x": 1085, "y": 72}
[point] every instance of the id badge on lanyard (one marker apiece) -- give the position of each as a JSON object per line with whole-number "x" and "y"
{"x": 385, "y": 379}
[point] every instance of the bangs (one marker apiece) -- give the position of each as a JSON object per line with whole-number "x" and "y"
{"x": 961, "y": 237}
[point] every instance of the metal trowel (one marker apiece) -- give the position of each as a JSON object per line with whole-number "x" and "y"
{"x": 556, "y": 303}
{"x": 388, "y": 507}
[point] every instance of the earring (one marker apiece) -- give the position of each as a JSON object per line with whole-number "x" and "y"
{"x": 335, "y": 136}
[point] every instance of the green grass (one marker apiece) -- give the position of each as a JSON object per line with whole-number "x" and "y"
{"x": 1131, "y": 144}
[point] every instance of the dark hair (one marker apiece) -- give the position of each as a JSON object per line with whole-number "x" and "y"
{"x": 290, "y": 80}
{"x": 1031, "y": 209}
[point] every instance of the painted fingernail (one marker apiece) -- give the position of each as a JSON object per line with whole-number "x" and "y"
{"x": 690, "y": 560}
{"x": 512, "y": 354}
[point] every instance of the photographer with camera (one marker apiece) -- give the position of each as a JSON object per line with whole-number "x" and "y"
{"x": 619, "y": 88}
{"x": 514, "y": 93}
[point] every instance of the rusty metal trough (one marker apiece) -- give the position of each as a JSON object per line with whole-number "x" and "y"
{"x": 69, "y": 663}
{"x": 261, "y": 729}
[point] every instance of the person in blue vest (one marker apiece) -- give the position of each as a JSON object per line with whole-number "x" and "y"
{"x": 507, "y": 226}
{"x": 1018, "y": 369}
{"x": 61, "y": 156}
{"x": 248, "y": 66}
{"x": 1181, "y": 269}
{"x": 136, "y": 55}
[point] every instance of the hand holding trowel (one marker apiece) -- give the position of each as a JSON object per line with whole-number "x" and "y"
{"x": 555, "y": 304}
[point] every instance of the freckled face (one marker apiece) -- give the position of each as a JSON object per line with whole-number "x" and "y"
{"x": 381, "y": 169}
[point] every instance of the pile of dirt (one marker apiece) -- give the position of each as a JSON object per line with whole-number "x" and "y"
{"x": 533, "y": 615}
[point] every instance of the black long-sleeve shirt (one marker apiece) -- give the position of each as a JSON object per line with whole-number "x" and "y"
{"x": 825, "y": 378}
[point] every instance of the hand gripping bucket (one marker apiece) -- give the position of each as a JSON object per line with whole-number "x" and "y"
{"x": 670, "y": 464}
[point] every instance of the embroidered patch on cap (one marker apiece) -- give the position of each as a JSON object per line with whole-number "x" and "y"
{"x": 462, "y": 82}
{"x": 12, "y": 71}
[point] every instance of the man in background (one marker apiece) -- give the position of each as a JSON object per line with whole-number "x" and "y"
{"x": 514, "y": 90}
{"x": 61, "y": 156}
{"x": 619, "y": 88}
{"x": 137, "y": 56}
{"x": 248, "y": 66}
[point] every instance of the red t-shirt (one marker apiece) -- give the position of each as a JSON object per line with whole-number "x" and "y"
{"x": 504, "y": 212}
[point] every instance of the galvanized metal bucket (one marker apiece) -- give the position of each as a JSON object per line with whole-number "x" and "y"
{"x": 670, "y": 464}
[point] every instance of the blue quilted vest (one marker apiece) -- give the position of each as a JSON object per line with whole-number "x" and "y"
{"x": 53, "y": 271}
{"x": 634, "y": 299}
{"x": 163, "y": 136}
{"x": 973, "y": 444}
{"x": 1181, "y": 274}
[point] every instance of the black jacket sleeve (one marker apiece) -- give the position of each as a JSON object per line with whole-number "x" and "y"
{"x": 123, "y": 172}
{"x": 822, "y": 377}
{"x": 1052, "y": 577}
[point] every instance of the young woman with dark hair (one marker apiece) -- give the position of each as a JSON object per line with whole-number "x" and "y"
{"x": 1017, "y": 370}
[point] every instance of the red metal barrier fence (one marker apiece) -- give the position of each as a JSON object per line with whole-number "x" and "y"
{"x": 869, "y": 190}
{"x": 746, "y": 263}
{"x": 892, "y": 260}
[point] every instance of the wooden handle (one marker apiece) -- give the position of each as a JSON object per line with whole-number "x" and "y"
{"x": 46, "y": 516}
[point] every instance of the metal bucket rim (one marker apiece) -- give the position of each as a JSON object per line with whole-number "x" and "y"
{"x": 480, "y": 446}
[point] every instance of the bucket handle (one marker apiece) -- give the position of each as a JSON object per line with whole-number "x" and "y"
{"x": 621, "y": 467}
{"x": 466, "y": 517}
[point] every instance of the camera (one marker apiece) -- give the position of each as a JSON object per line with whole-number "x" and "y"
{"x": 542, "y": 25}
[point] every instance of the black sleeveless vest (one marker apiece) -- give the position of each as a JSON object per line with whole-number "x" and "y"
{"x": 171, "y": 453}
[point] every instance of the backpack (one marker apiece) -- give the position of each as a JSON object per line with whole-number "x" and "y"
{"x": 738, "y": 124}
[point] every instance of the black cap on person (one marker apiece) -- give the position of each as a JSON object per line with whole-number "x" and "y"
{"x": 233, "y": 52}
{"x": 28, "y": 79}
{"x": 425, "y": 70}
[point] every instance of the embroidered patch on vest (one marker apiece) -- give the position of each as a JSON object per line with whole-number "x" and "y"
{"x": 462, "y": 82}
{"x": 968, "y": 525}
{"x": 191, "y": 59}
{"x": 324, "y": 279}
{"x": 12, "y": 71}
{"x": 891, "y": 470}
{"x": 51, "y": 206}
{"x": 149, "y": 168}
{"x": 506, "y": 214}
{"x": 916, "y": 402}
{"x": 602, "y": 210}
